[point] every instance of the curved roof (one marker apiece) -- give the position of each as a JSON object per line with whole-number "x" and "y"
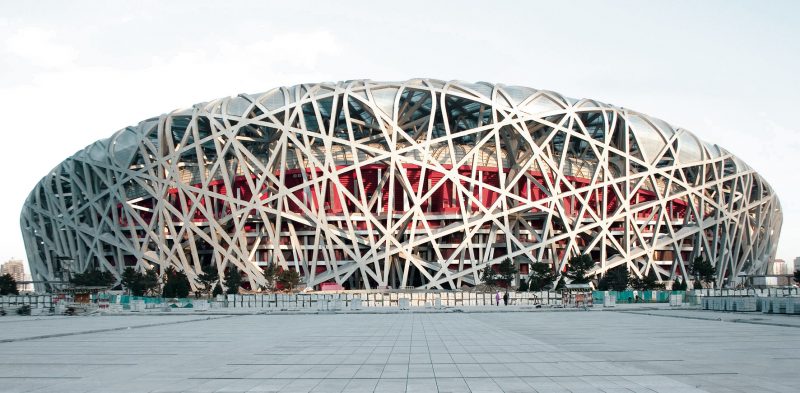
{"x": 652, "y": 134}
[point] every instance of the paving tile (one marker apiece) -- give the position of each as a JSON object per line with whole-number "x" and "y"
{"x": 395, "y": 371}
{"x": 421, "y": 385}
{"x": 390, "y": 386}
{"x": 361, "y": 385}
{"x": 423, "y": 370}
{"x": 370, "y": 371}
{"x": 482, "y": 385}
{"x": 446, "y": 371}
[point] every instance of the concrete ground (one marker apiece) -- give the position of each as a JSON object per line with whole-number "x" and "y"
{"x": 633, "y": 349}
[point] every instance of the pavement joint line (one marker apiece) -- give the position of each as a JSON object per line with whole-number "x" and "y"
{"x": 455, "y": 363}
{"x": 718, "y": 319}
{"x": 44, "y": 318}
{"x": 477, "y": 377}
{"x": 55, "y": 335}
{"x": 428, "y": 347}
{"x": 41, "y": 377}
{"x": 93, "y": 354}
{"x": 68, "y": 364}
{"x": 504, "y": 352}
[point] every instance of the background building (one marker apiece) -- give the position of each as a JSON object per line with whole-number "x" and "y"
{"x": 778, "y": 267}
{"x": 16, "y": 268}
{"x": 421, "y": 183}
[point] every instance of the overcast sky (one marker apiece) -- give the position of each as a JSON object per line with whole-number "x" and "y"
{"x": 74, "y": 72}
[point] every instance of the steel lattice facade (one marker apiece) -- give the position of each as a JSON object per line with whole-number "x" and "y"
{"x": 405, "y": 184}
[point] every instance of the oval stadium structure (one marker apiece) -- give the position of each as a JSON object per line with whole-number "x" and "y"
{"x": 421, "y": 183}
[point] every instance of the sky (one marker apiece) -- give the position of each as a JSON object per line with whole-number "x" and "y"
{"x": 75, "y": 72}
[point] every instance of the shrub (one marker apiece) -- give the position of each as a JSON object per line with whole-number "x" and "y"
{"x": 93, "y": 278}
{"x": 703, "y": 270}
{"x": 8, "y": 286}
{"x": 646, "y": 283}
{"x": 24, "y": 310}
{"x": 289, "y": 279}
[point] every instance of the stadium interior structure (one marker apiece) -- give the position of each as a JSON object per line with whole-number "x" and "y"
{"x": 421, "y": 183}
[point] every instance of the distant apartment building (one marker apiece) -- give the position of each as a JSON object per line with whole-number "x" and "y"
{"x": 776, "y": 267}
{"x": 15, "y": 268}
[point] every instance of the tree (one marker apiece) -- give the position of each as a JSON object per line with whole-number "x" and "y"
{"x": 233, "y": 280}
{"x": 182, "y": 286}
{"x": 133, "y": 281}
{"x": 208, "y": 278}
{"x": 270, "y": 274}
{"x": 506, "y": 272}
{"x": 523, "y": 285}
{"x": 8, "y": 285}
{"x": 578, "y": 268}
{"x": 129, "y": 279}
{"x": 217, "y": 290}
{"x": 140, "y": 284}
{"x": 615, "y": 279}
{"x": 560, "y": 284}
{"x": 289, "y": 278}
{"x": 489, "y": 277}
{"x": 541, "y": 277}
{"x": 151, "y": 283}
{"x": 679, "y": 284}
{"x": 797, "y": 276}
{"x": 93, "y": 278}
{"x": 646, "y": 283}
{"x": 703, "y": 270}
{"x": 176, "y": 283}
{"x": 651, "y": 281}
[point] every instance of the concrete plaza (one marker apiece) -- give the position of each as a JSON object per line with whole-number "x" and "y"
{"x": 627, "y": 350}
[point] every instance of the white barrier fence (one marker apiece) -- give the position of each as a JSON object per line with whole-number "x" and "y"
{"x": 36, "y": 301}
{"x": 404, "y": 300}
{"x": 767, "y": 292}
{"x": 774, "y": 305}
{"x": 766, "y": 300}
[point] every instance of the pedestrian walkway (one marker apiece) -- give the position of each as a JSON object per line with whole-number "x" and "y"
{"x": 627, "y": 351}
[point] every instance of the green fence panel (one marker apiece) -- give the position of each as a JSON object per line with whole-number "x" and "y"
{"x": 631, "y": 296}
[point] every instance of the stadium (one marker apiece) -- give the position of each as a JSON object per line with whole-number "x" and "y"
{"x": 415, "y": 184}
